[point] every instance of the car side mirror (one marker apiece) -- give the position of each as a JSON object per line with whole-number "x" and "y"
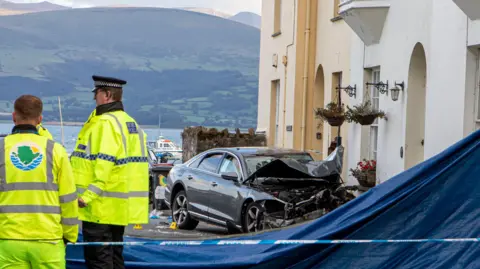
{"x": 230, "y": 176}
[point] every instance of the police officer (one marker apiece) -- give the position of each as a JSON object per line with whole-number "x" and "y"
{"x": 111, "y": 172}
{"x": 38, "y": 201}
{"x": 44, "y": 131}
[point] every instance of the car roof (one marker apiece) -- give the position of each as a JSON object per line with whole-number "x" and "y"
{"x": 252, "y": 151}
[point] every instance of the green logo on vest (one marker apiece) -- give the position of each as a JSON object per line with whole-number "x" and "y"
{"x": 26, "y": 156}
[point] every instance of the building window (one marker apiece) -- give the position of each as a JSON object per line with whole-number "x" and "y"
{"x": 277, "y": 17}
{"x": 277, "y": 113}
{"x": 274, "y": 133}
{"x": 375, "y": 99}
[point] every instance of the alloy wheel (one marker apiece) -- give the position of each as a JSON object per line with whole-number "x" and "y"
{"x": 254, "y": 219}
{"x": 180, "y": 211}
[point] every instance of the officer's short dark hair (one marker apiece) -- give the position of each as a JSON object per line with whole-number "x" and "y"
{"x": 116, "y": 93}
{"x": 28, "y": 107}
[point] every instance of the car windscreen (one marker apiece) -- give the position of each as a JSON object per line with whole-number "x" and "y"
{"x": 256, "y": 162}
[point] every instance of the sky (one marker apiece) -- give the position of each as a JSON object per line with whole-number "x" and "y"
{"x": 228, "y": 6}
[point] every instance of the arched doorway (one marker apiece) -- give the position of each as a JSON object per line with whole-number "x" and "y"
{"x": 416, "y": 102}
{"x": 314, "y": 135}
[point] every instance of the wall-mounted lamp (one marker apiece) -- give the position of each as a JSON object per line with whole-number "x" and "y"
{"x": 396, "y": 90}
{"x": 380, "y": 86}
{"x": 351, "y": 91}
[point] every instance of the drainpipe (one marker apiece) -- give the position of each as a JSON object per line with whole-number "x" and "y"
{"x": 305, "y": 74}
{"x": 285, "y": 73}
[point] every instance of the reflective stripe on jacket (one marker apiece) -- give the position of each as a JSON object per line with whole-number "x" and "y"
{"x": 44, "y": 132}
{"x": 111, "y": 170}
{"x": 38, "y": 198}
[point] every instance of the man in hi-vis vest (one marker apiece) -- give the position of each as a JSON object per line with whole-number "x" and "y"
{"x": 111, "y": 173}
{"x": 44, "y": 131}
{"x": 38, "y": 200}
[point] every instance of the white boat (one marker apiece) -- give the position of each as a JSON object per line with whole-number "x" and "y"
{"x": 163, "y": 145}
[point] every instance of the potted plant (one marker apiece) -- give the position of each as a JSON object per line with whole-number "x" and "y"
{"x": 364, "y": 113}
{"x": 334, "y": 114}
{"x": 366, "y": 173}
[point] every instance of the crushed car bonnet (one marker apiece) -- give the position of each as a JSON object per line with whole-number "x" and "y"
{"x": 289, "y": 168}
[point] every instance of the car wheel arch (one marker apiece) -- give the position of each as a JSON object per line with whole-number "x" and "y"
{"x": 244, "y": 207}
{"x": 176, "y": 188}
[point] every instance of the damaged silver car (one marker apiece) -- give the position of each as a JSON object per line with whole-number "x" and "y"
{"x": 253, "y": 189}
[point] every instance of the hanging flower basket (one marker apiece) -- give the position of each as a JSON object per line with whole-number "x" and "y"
{"x": 363, "y": 114}
{"x": 336, "y": 120}
{"x": 333, "y": 114}
{"x": 366, "y": 120}
{"x": 366, "y": 173}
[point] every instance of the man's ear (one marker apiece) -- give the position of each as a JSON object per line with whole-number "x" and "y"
{"x": 40, "y": 119}
{"x": 13, "y": 117}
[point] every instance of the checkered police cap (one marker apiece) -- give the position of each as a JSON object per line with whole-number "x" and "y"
{"x": 100, "y": 82}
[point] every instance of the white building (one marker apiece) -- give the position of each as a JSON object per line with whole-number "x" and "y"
{"x": 304, "y": 57}
{"x": 431, "y": 46}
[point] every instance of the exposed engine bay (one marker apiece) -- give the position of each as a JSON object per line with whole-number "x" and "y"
{"x": 299, "y": 191}
{"x": 299, "y": 199}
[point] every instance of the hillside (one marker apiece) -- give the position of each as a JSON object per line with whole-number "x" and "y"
{"x": 31, "y": 7}
{"x": 248, "y": 18}
{"x": 208, "y": 11}
{"x": 189, "y": 67}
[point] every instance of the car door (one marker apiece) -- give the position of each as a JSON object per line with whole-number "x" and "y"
{"x": 225, "y": 194}
{"x": 198, "y": 180}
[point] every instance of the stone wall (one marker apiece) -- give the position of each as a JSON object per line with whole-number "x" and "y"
{"x": 198, "y": 139}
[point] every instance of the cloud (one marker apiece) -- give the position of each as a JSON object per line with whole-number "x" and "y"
{"x": 229, "y": 6}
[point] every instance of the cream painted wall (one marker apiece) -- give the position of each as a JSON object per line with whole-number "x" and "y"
{"x": 333, "y": 54}
{"x": 267, "y": 73}
{"x": 441, "y": 27}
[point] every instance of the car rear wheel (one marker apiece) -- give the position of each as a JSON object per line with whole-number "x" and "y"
{"x": 253, "y": 218}
{"x": 180, "y": 212}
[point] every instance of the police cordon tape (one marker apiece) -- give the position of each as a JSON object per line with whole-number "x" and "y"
{"x": 270, "y": 242}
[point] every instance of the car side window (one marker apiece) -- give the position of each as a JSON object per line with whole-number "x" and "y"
{"x": 230, "y": 164}
{"x": 195, "y": 163}
{"x": 211, "y": 162}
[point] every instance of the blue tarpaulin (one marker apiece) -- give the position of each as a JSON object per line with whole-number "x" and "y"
{"x": 439, "y": 198}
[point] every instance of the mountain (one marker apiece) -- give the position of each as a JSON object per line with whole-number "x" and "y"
{"x": 31, "y": 7}
{"x": 189, "y": 67}
{"x": 248, "y": 18}
{"x": 208, "y": 11}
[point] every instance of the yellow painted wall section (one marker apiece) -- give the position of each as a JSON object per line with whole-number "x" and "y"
{"x": 300, "y": 65}
{"x": 333, "y": 56}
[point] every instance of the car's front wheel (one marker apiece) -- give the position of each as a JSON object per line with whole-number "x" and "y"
{"x": 180, "y": 212}
{"x": 253, "y": 219}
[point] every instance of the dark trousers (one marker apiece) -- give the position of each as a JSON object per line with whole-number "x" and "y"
{"x": 103, "y": 257}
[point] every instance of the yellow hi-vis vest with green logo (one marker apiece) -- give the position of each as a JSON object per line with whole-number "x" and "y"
{"x": 44, "y": 132}
{"x": 38, "y": 199}
{"x": 111, "y": 170}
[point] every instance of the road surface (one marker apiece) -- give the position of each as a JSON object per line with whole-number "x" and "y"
{"x": 160, "y": 229}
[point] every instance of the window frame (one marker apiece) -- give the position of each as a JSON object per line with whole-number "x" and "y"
{"x": 208, "y": 155}
{"x": 375, "y": 101}
{"x": 277, "y": 113}
{"x": 239, "y": 173}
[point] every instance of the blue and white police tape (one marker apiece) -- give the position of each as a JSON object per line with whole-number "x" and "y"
{"x": 271, "y": 242}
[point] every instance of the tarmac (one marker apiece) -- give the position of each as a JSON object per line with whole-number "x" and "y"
{"x": 159, "y": 228}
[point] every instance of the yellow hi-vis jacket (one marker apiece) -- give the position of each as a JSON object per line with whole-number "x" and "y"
{"x": 111, "y": 170}
{"x": 44, "y": 132}
{"x": 38, "y": 198}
